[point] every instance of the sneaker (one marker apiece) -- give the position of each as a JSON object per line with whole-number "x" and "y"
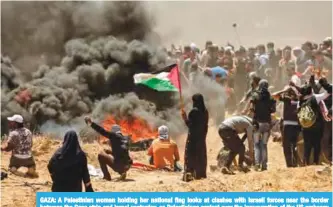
{"x": 32, "y": 173}
{"x": 13, "y": 170}
{"x": 108, "y": 178}
{"x": 244, "y": 169}
{"x": 257, "y": 168}
{"x": 187, "y": 177}
{"x": 123, "y": 176}
{"x": 227, "y": 171}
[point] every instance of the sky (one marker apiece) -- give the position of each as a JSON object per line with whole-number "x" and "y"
{"x": 257, "y": 22}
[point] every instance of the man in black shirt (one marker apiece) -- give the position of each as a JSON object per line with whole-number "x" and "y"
{"x": 118, "y": 158}
{"x": 262, "y": 105}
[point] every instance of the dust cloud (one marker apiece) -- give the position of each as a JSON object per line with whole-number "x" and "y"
{"x": 285, "y": 23}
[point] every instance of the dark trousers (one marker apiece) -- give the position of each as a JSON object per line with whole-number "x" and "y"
{"x": 328, "y": 139}
{"x": 232, "y": 141}
{"x": 312, "y": 140}
{"x": 330, "y": 145}
{"x": 290, "y": 135}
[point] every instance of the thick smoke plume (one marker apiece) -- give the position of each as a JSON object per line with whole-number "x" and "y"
{"x": 35, "y": 32}
{"x": 103, "y": 45}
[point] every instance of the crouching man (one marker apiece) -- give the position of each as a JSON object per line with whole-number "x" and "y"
{"x": 118, "y": 158}
{"x": 20, "y": 143}
{"x": 163, "y": 152}
{"x": 228, "y": 131}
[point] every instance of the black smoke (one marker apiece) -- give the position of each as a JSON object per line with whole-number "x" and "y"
{"x": 71, "y": 59}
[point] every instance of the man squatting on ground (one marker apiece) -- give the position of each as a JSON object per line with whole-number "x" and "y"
{"x": 228, "y": 131}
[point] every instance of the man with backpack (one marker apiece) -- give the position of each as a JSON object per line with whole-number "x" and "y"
{"x": 312, "y": 114}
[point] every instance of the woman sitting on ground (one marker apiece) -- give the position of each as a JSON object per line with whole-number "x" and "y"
{"x": 68, "y": 166}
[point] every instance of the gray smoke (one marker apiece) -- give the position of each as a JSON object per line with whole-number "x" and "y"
{"x": 35, "y": 32}
{"x": 102, "y": 47}
{"x": 214, "y": 96}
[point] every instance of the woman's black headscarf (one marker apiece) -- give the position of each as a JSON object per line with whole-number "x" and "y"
{"x": 70, "y": 147}
{"x": 198, "y": 102}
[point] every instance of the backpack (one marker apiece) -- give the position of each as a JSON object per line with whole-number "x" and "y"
{"x": 306, "y": 116}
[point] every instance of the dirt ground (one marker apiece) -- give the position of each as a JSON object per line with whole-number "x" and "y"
{"x": 18, "y": 191}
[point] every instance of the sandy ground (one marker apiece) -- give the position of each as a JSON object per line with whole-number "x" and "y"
{"x": 19, "y": 191}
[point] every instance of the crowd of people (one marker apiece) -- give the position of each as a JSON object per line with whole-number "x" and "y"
{"x": 300, "y": 77}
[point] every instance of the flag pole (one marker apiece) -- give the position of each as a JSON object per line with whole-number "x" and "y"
{"x": 180, "y": 90}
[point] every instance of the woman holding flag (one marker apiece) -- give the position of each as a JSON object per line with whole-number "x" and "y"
{"x": 196, "y": 150}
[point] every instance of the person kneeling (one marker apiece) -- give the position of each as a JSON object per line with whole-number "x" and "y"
{"x": 20, "y": 143}
{"x": 118, "y": 158}
{"x": 164, "y": 152}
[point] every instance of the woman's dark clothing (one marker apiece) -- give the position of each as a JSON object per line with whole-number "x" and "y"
{"x": 68, "y": 166}
{"x": 314, "y": 134}
{"x": 196, "y": 151}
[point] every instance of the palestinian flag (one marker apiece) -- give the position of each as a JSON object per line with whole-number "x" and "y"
{"x": 166, "y": 79}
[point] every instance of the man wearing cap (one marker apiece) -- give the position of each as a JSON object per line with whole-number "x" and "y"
{"x": 163, "y": 151}
{"x": 20, "y": 143}
{"x": 118, "y": 158}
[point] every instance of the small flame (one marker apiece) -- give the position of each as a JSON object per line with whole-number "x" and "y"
{"x": 135, "y": 127}
{"x": 23, "y": 97}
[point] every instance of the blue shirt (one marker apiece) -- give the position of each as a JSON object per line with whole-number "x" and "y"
{"x": 218, "y": 70}
{"x": 263, "y": 59}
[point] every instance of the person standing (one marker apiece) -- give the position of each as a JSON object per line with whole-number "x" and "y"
{"x": 312, "y": 117}
{"x": 286, "y": 62}
{"x": 196, "y": 151}
{"x": 240, "y": 74}
{"x": 291, "y": 128}
{"x": 68, "y": 166}
{"x": 118, "y": 158}
{"x": 20, "y": 144}
{"x": 263, "y": 105}
{"x": 262, "y": 61}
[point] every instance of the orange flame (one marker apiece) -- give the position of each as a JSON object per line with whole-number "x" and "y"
{"x": 23, "y": 97}
{"x": 137, "y": 128}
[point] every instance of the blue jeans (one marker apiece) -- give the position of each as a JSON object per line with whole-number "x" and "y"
{"x": 261, "y": 136}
